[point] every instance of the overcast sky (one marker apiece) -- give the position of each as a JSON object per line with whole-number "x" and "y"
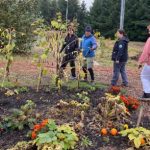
{"x": 88, "y": 3}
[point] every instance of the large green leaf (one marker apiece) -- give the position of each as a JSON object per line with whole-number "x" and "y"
{"x": 137, "y": 142}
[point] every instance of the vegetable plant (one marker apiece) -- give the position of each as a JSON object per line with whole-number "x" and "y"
{"x": 85, "y": 142}
{"x": 25, "y": 116}
{"x": 137, "y": 136}
{"x": 84, "y": 97}
{"x": 52, "y": 136}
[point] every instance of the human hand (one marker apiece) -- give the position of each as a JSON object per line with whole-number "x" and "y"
{"x": 91, "y": 48}
{"x": 117, "y": 62}
{"x": 139, "y": 66}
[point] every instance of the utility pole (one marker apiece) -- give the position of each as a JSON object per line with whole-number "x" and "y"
{"x": 122, "y": 13}
{"x": 67, "y": 14}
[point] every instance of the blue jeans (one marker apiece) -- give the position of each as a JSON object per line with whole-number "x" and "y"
{"x": 119, "y": 68}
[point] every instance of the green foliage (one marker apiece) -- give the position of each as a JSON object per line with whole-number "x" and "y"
{"x": 73, "y": 8}
{"x": 82, "y": 106}
{"x": 48, "y": 9}
{"x": 20, "y": 117}
{"x": 16, "y": 91}
{"x": 23, "y": 145}
{"x": 72, "y": 85}
{"x": 84, "y": 97}
{"x": 136, "y": 134}
{"x": 40, "y": 58}
{"x": 21, "y": 90}
{"x": 82, "y": 18}
{"x": 105, "y": 18}
{"x": 8, "y": 84}
{"x": 62, "y": 137}
{"x": 136, "y": 23}
{"x": 18, "y": 14}
{"x": 86, "y": 142}
{"x": 6, "y": 48}
{"x": 50, "y": 39}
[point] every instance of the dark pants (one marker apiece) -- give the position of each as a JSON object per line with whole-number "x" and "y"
{"x": 119, "y": 68}
{"x": 88, "y": 66}
{"x": 90, "y": 71}
{"x": 71, "y": 61}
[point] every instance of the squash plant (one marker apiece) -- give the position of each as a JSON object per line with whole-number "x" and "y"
{"x": 56, "y": 137}
{"x": 137, "y": 136}
{"x": 6, "y": 48}
{"x": 25, "y": 116}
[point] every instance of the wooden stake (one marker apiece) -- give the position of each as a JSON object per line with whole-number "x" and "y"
{"x": 140, "y": 116}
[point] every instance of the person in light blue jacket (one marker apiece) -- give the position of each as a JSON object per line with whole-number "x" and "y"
{"x": 88, "y": 46}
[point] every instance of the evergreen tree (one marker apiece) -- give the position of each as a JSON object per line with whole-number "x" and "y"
{"x": 73, "y": 8}
{"x": 137, "y": 17}
{"x": 82, "y": 18}
{"x": 62, "y": 5}
{"x": 19, "y": 14}
{"x": 48, "y": 9}
{"x": 104, "y": 16}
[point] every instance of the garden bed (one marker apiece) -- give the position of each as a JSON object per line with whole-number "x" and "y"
{"x": 46, "y": 102}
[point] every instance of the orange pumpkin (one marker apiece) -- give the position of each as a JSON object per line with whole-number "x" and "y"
{"x": 104, "y": 131}
{"x": 114, "y": 132}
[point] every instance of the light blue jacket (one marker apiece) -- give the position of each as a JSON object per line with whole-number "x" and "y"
{"x": 86, "y": 44}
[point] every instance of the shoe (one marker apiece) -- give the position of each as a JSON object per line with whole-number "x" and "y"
{"x": 92, "y": 83}
{"x": 146, "y": 95}
{"x": 84, "y": 80}
{"x": 73, "y": 78}
{"x": 124, "y": 85}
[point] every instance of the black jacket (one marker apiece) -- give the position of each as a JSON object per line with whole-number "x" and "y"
{"x": 71, "y": 44}
{"x": 120, "y": 50}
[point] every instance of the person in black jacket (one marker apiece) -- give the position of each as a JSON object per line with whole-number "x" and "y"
{"x": 70, "y": 48}
{"x": 120, "y": 57}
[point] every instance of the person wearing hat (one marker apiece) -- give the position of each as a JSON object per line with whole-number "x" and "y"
{"x": 70, "y": 47}
{"x": 88, "y": 46}
{"x": 145, "y": 74}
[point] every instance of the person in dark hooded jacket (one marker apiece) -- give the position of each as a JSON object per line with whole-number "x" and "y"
{"x": 70, "y": 48}
{"x": 120, "y": 58}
